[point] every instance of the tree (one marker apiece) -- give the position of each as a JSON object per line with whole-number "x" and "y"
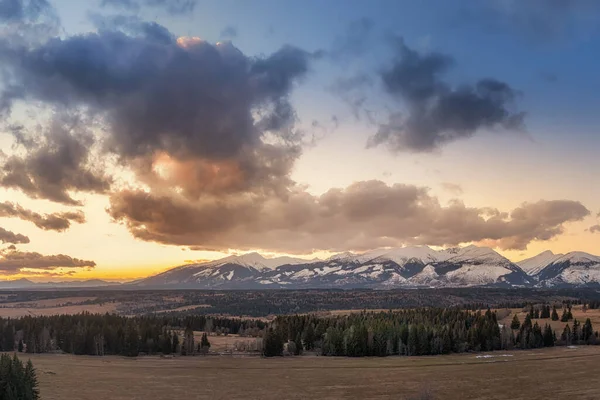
{"x": 548, "y": 336}
{"x": 554, "y": 314}
{"x": 17, "y": 382}
{"x": 575, "y": 331}
{"x": 299, "y": 348}
{"x": 587, "y": 332}
{"x": 515, "y": 324}
{"x": 175, "y": 345}
{"x": 309, "y": 337}
{"x": 564, "y": 317}
{"x": 20, "y": 347}
{"x": 272, "y": 344}
{"x": 204, "y": 344}
{"x": 30, "y": 390}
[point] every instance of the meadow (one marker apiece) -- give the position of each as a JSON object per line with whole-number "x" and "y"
{"x": 538, "y": 374}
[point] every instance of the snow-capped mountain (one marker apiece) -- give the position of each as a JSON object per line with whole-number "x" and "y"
{"x": 415, "y": 266}
{"x": 534, "y": 265}
{"x": 572, "y": 269}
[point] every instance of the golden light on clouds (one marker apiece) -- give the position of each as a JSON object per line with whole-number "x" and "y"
{"x": 188, "y": 41}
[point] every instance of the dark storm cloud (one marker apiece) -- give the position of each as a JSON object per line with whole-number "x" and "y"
{"x": 133, "y": 25}
{"x": 19, "y": 10}
{"x": 156, "y": 96}
{"x": 200, "y": 110}
{"x": 15, "y": 261}
{"x": 11, "y": 237}
{"x": 437, "y": 113}
{"x": 229, "y": 32}
{"x": 54, "y": 221}
{"x": 55, "y": 162}
{"x": 173, "y": 7}
{"x": 363, "y": 216}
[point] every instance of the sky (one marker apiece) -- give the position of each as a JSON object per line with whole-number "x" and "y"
{"x": 139, "y": 135}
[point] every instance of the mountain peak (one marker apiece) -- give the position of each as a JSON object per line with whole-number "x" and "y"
{"x": 535, "y": 264}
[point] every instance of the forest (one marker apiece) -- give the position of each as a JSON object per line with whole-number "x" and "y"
{"x": 410, "y": 332}
{"x": 104, "y": 334}
{"x": 418, "y": 332}
{"x": 18, "y": 380}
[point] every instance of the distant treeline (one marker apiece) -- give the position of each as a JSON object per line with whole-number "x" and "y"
{"x": 417, "y": 332}
{"x": 259, "y": 303}
{"x": 97, "y": 334}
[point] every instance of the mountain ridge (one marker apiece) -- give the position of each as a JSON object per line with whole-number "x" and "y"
{"x": 409, "y": 267}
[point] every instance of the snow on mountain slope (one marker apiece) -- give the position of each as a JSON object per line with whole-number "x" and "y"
{"x": 414, "y": 266}
{"x": 535, "y": 264}
{"x": 473, "y": 253}
{"x": 401, "y": 255}
{"x": 257, "y": 261}
{"x": 574, "y": 268}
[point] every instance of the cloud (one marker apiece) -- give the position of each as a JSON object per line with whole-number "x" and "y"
{"x": 54, "y": 221}
{"x": 11, "y": 237}
{"x": 362, "y": 216}
{"x": 55, "y": 163}
{"x": 184, "y": 114}
{"x": 540, "y": 20}
{"x": 12, "y": 262}
{"x": 229, "y": 32}
{"x": 594, "y": 228}
{"x": 173, "y": 7}
{"x": 19, "y": 10}
{"x": 436, "y": 112}
{"x": 452, "y": 188}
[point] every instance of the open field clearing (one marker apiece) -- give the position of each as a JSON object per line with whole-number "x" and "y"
{"x": 16, "y": 312}
{"x": 558, "y": 326}
{"x": 540, "y": 374}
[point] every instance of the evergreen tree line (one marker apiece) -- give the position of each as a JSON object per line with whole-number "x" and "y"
{"x": 18, "y": 381}
{"x": 413, "y": 332}
{"x": 97, "y": 334}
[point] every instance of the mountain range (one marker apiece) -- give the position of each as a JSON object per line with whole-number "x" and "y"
{"x": 406, "y": 267}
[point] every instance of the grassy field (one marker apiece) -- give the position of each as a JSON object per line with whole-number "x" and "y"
{"x": 540, "y": 374}
{"x": 577, "y": 311}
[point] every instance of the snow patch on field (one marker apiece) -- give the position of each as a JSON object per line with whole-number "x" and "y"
{"x": 494, "y": 355}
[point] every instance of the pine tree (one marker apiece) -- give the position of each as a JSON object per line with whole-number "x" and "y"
{"x": 554, "y": 314}
{"x": 587, "y": 332}
{"x": 515, "y": 324}
{"x": 204, "y": 344}
{"x": 298, "y": 341}
{"x": 575, "y": 332}
{"x": 527, "y": 323}
{"x": 20, "y": 347}
{"x": 31, "y": 391}
{"x": 413, "y": 341}
{"x": 548, "y": 336}
{"x": 564, "y": 317}
{"x": 175, "y": 345}
{"x": 567, "y": 335}
{"x": 272, "y": 344}
{"x": 309, "y": 337}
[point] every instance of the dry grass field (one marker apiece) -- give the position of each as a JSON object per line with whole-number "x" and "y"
{"x": 23, "y": 309}
{"x": 577, "y": 311}
{"x": 540, "y": 374}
